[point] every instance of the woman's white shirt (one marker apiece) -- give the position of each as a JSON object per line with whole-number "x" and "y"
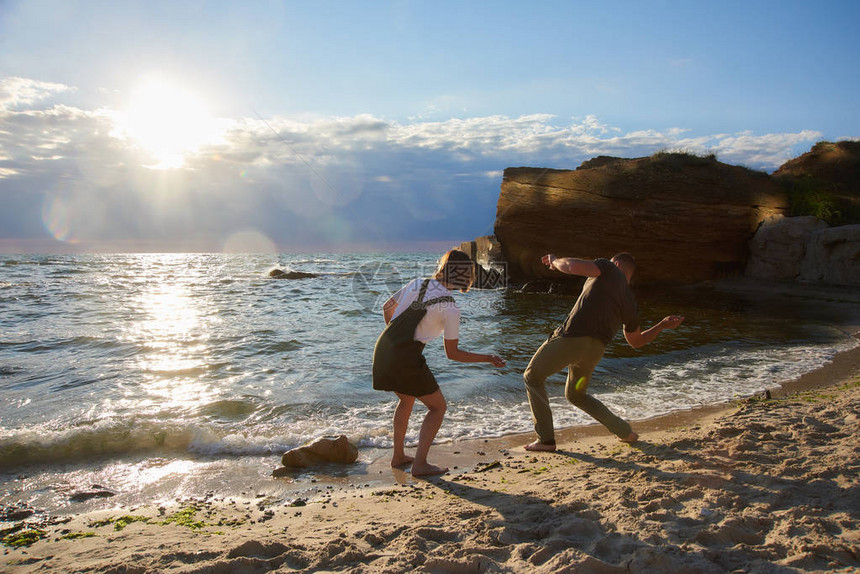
{"x": 441, "y": 318}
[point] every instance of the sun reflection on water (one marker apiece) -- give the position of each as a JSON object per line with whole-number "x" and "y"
{"x": 175, "y": 359}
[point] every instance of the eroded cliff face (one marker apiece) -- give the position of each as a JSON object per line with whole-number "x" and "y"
{"x": 684, "y": 218}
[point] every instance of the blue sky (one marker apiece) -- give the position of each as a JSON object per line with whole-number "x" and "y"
{"x": 354, "y": 125}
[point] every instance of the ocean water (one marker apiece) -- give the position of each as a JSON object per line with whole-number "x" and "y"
{"x": 167, "y": 374}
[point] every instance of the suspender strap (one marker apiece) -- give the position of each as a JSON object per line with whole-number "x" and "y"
{"x": 419, "y": 303}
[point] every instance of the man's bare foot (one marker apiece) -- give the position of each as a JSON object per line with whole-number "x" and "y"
{"x": 538, "y": 446}
{"x": 630, "y": 439}
{"x": 397, "y": 461}
{"x": 428, "y": 470}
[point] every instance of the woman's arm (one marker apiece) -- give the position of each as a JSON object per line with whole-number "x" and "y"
{"x": 455, "y": 353}
{"x": 388, "y": 310}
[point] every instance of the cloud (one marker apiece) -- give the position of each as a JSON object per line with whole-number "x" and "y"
{"x": 22, "y": 92}
{"x": 70, "y": 174}
{"x": 769, "y": 150}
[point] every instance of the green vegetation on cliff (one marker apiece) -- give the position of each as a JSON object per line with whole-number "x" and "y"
{"x": 810, "y": 196}
{"x": 824, "y": 182}
{"x": 677, "y": 160}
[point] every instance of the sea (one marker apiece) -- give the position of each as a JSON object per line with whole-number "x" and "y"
{"x": 161, "y": 376}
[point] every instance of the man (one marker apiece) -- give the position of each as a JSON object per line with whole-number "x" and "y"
{"x": 606, "y": 303}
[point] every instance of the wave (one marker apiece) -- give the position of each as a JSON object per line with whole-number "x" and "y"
{"x": 223, "y": 428}
{"x": 135, "y": 436}
{"x": 77, "y": 342}
{"x": 311, "y": 261}
{"x": 227, "y": 408}
{"x": 250, "y": 426}
{"x": 10, "y": 371}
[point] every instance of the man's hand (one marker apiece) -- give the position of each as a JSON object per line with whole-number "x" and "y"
{"x": 672, "y": 321}
{"x": 548, "y": 259}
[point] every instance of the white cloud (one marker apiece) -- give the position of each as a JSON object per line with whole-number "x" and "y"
{"x": 284, "y": 176}
{"x": 325, "y": 141}
{"x": 18, "y": 92}
{"x": 769, "y": 150}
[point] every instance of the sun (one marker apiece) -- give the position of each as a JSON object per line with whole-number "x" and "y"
{"x": 168, "y": 123}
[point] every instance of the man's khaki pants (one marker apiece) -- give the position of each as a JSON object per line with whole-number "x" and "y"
{"x": 580, "y": 355}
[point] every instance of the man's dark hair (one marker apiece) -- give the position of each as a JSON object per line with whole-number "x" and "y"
{"x": 626, "y": 260}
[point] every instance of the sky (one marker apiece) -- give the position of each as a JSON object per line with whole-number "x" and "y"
{"x": 387, "y": 124}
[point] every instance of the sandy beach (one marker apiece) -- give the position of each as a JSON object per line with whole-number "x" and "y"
{"x": 769, "y": 484}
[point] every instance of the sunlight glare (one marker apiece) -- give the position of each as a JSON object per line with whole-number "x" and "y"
{"x": 169, "y": 123}
{"x": 176, "y": 363}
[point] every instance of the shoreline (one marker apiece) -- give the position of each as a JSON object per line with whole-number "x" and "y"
{"x": 840, "y": 300}
{"x": 456, "y": 456}
{"x": 252, "y": 476}
{"x": 767, "y": 484}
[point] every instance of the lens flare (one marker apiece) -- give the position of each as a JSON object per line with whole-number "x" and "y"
{"x": 56, "y": 218}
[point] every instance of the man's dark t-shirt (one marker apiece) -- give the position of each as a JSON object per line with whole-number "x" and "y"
{"x": 606, "y": 302}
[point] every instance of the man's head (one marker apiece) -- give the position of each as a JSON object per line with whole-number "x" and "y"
{"x": 626, "y": 263}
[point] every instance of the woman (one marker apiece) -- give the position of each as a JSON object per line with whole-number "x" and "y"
{"x": 421, "y": 311}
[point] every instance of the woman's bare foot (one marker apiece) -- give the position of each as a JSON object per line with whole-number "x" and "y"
{"x": 631, "y": 438}
{"x": 538, "y": 446}
{"x": 401, "y": 460}
{"x": 428, "y": 470}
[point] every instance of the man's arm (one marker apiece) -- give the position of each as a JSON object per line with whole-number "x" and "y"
{"x": 640, "y": 338}
{"x": 571, "y": 265}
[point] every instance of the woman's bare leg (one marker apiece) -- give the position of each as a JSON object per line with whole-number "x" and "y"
{"x": 401, "y": 422}
{"x": 436, "y": 406}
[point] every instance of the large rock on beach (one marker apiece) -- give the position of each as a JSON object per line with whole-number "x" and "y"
{"x": 779, "y": 246}
{"x": 322, "y": 450}
{"x": 832, "y": 256}
{"x": 685, "y": 218}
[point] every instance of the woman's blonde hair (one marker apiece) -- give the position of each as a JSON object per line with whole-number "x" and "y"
{"x": 456, "y": 269}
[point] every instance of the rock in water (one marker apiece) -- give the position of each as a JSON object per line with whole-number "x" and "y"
{"x": 83, "y": 496}
{"x": 323, "y": 449}
{"x": 281, "y": 274}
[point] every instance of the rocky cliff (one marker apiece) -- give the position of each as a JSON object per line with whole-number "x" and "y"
{"x": 685, "y": 218}
{"x": 825, "y": 182}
